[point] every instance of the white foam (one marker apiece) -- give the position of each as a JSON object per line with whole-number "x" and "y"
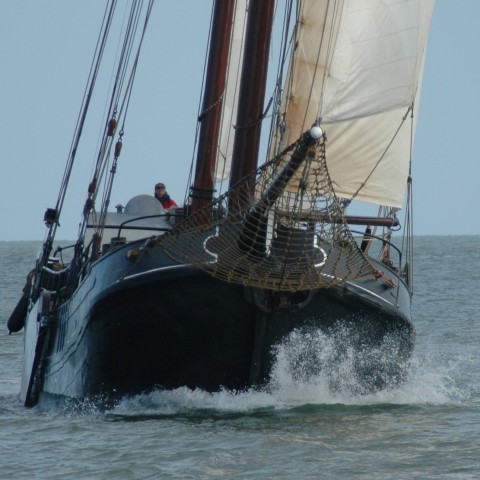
{"x": 295, "y": 383}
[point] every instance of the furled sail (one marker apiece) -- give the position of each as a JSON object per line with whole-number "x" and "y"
{"x": 356, "y": 69}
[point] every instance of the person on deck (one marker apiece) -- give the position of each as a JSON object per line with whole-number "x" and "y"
{"x": 163, "y": 197}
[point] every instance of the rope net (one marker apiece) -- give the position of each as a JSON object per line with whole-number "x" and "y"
{"x": 273, "y": 232}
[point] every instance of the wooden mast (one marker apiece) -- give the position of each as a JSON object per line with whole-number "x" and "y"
{"x": 202, "y": 190}
{"x": 252, "y": 90}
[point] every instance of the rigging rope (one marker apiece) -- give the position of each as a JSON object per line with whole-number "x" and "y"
{"x": 124, "y": 105}
{"x": 117, "y": 111}
{"x": 382, "y": 156}
{"x": 52, "y": 216}
{"x": 94, "y": 69}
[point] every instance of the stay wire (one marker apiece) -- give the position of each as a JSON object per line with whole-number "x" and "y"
{"x": 98, "y": 54}
{"x": 117, "y": 88}
{"x": 124, "y": 110}
{"x": 108, "y": 136}
{"x": 94, "y": 68}
{"x": 106, "y": 143}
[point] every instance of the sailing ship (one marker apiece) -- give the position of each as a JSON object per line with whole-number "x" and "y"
{"x": 205, "y": 295}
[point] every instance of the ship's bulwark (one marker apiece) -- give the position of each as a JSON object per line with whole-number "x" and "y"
{"x": 173, "y": 327}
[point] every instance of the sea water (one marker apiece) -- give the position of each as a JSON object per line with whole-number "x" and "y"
{"x": 428, "y": 428}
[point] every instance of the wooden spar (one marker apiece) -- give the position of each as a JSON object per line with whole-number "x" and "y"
{"x": 373, "y": 221}
{"x": 202, "y": 190}
{"x": 270, "y": 196}
{"x": 349, "y": 219}
{"x": 252, "y": 90}
{"x": 252, "y": 237}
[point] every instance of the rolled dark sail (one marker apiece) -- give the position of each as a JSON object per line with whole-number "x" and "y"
{"x": 17, "y": 319}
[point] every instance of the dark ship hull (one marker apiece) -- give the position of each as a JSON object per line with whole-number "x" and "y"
{"x": 131, "y": 327}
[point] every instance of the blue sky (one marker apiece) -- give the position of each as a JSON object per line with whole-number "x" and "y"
{"x": 45, "y": 53}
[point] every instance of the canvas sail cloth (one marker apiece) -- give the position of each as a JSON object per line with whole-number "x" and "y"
{"x": 356, "y": 70}
{"x": 230, "y": 103}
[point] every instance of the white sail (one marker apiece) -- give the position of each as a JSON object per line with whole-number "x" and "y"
{"x": 357, "y": 69}
{"x": 230, "y": 97}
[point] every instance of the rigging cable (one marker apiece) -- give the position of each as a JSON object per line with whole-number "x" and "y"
{"x": 382, "y": 156}
{"x": 52, "y": 216}
{"x": 111, "y": 124}
{"x": 123, "y": 108}
{"x": 94, "y": 69}
{"x": 408, "y": 233}
{"x": 286, "y": 42}
{"x": 332, "y": 39}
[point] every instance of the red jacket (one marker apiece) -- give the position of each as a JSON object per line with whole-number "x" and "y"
{"x": 166, "y": 201}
